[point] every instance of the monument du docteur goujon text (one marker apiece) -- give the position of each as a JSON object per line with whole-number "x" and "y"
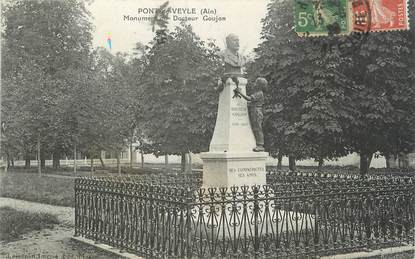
{"x": 236, "y": 156}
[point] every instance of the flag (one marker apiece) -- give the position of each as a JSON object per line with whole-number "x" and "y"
{"x": 109, "y": 41}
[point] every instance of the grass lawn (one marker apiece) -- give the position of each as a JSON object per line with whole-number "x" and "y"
{"x": 54, "y": 187}
{"x": 30, "y": 187}
{"x": 14, "y": 223}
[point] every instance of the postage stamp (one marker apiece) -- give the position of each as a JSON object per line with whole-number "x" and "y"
{"x": 361, "y": 15}
{"x": 387, "y": 15}
{"x": 321, "y": 17}
{"x": 331, "y": 17}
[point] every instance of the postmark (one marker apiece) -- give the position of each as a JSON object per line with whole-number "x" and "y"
{"x": 361, "y": 15}
{"x": 321, "y": 17}
{"x": 360, "y": 20}
{"x": 360, "y": 23}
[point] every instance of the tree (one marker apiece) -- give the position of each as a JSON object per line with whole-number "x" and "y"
{"x": 178, "y": 99}
{"x": 306, "y": 103}
{"x": 48, "y": 43}
{"x": 333, "y": 95}
{"x": 110, "y": 122}
{"x": 383, "y": 67}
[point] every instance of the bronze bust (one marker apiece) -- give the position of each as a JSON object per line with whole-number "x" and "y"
{"x": 232, "y": 60}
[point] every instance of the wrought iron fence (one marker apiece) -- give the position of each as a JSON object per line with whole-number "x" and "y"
{"x": 274, "y": 176}
{"x": 157, "y": 218}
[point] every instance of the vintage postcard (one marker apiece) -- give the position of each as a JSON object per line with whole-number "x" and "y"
{"x": 207, "y": 129}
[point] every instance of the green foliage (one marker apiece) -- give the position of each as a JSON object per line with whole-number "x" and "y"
{"x": 110, "y": 100}
{"x": 59, "y": 90}
{"x": 48, "y": 45}
{"x": 304, "y": 106}
{"x": 327, "y": 96}
{"x": 385, "y": 121}
{"x": 332, "y": 95}
{"x": 178, "y": 100}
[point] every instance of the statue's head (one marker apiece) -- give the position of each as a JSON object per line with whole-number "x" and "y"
{"x": 232, "y": 42}
{"x": 261, "y": 83}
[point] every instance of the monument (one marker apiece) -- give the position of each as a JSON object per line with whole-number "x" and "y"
{"x": 235, "y": 154}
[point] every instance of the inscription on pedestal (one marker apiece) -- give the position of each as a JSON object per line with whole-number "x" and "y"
{"x": 233, "y": 131}
{"x": 246, "y": 171}
{"x": 239, "y": 114}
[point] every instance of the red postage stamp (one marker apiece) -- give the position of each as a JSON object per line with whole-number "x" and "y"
{"x": 386, "y": 15}
{"x": 361, "y": 15}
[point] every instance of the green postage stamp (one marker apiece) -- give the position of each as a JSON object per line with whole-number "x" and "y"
{"x": 321, "y": 17}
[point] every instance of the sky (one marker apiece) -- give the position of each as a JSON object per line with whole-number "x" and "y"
{"x": 242, "y": 17}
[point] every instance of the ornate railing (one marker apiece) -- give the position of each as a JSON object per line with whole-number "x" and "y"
{"x": 278, "y": 176}
{"x": 157, "y": 218}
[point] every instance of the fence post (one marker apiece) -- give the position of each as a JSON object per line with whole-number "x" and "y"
{"x": 76, "y": 208}
{"x": 367, "y": 220}
{"x": 255, "y": 190}
{"x": 317, "y": 210}
{"x": 74, "y": 159}
{"x": 189, "y": 202}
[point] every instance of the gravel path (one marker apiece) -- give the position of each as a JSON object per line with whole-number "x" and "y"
{"x": 66, "y": 215}
{"x": 48, "y": 243}
{"x": 51, "y": 243}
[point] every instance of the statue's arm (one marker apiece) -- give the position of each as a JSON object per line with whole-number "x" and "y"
{"x": 246, "y": 97}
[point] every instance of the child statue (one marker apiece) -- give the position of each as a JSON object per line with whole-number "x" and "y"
{"x": 256, "y": 116}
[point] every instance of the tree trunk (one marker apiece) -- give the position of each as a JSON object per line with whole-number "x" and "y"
{"x": 183, "y": 163}
{"x": 12, "y": 162}
{"x": 131, "y": 153}
{"x": 74, "y": 159}
{"x": 142, "y": 158}
{"x": 6, "y": 166}
{"x": 56, "y": 159}
{"x": 279, "y": 157}
{"x": 166, "y": 161}
{"x": 291, "y": 163}
{"x": 403, "y": 161}
{"x": 369, "y": 161}
{"x": 42, "y": 159}
{"x": 118, "y": 164}
{"x": 92, "y": 164}
{"x": 101, "y": 160}
{"x": 363, "y": 165}
{"x": 189, "y": 162}
{"x": 39, "y": 164}
{"x": 387, "y": 160}
{"x": 365, "y": 160}
{"x": 27, "y": 160}
{"x": 7, "y": 161}
{"x": 320, "y": 163}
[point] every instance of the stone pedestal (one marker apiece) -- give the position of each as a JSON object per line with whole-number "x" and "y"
{"x": 230, "y": 160}
{"x": 223, "y": 169}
